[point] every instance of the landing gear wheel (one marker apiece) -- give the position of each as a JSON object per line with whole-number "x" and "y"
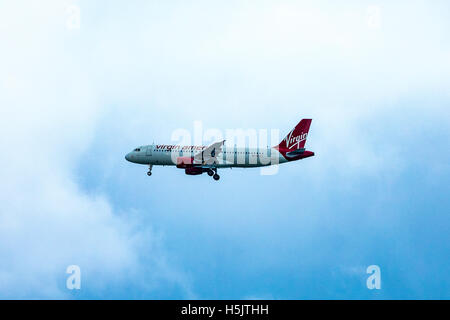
{"x": 210, "y": 173}
{"x": 149, "y": 173}
{"x": 216, "y": 177}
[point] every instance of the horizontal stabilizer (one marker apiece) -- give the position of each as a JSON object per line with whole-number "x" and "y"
{"x": 295, "y": 153}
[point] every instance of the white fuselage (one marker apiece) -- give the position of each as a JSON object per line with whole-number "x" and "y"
{"x": 196, "y": 160}
{"x": 166, "y": 155}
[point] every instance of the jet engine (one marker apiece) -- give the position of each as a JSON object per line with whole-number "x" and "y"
{"x": 193, "y": 171}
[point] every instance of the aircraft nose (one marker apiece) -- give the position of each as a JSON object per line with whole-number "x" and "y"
{"x": 128, "y": 157}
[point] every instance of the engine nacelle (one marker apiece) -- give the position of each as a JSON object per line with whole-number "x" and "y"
{"x": 193, "y": 171}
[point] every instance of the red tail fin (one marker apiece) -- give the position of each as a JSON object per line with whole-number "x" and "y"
{"x": 296, "y": 139}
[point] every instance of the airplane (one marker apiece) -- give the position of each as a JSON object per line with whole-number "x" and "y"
{"x": 196, "y": 160}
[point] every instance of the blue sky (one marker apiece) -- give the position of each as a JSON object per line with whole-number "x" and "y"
{"x": 77, "y": 99}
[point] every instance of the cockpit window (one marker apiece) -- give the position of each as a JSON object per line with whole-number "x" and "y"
{"x": 137, "y": 149}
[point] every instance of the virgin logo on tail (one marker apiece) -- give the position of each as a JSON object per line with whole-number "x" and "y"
{"x": 292, "y": 141}
{"x": 296, "y": 139}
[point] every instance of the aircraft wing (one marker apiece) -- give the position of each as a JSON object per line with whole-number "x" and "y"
{"x": 209, "y": 155}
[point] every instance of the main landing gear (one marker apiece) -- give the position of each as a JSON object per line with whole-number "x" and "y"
{"x": 213, "y": 173}
{"x": 149, "y": 173}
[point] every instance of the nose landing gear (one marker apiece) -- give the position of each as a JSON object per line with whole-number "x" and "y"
{"x": 149, "y": 173}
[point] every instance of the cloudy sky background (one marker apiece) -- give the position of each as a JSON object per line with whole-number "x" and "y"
{"x": 75, "y": 99}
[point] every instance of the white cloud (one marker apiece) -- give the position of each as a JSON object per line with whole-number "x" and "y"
{"x": 163, "y": 65}
{"x": 49, "y": 113}
{"x": 268, "y": 65}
